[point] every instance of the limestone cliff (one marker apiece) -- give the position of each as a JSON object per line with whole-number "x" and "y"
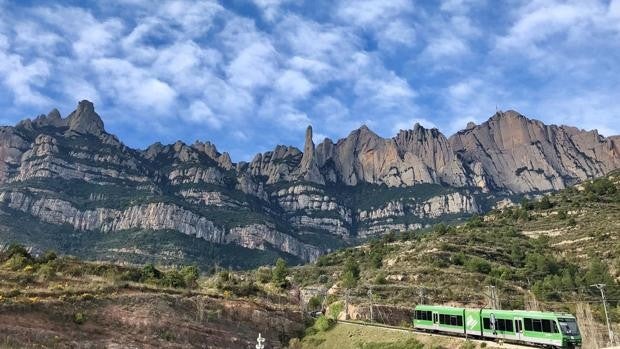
{"x": 70, "y": 173}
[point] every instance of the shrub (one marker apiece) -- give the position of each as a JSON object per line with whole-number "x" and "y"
{"x": 315, "y": 303}
{"x": 173, "y": 279}
{"x": 16, "y": 262}
{"x": 335, "y": 309}
{"x": 380, "y": 279}
{"x": 190, "y": 275}
{"x": 79, "y": 318}
{"x": 263, "y": 275}
{"x": 323, "y": 323}
{"x": 562, "y": 214}
{"x": 479, "y": 265}
{"x": 150, "y": 272}
{"x": 48, "y": 256}
{"x": 46, "y": 271}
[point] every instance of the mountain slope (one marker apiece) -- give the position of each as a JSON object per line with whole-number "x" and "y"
{"x": 541, "y": 254}
{"x": 70, "y": 176}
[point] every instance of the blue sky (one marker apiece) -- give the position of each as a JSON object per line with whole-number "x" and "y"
{"x": 248, "y": 75}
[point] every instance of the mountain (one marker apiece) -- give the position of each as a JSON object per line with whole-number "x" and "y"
{"x": 67, "y": 184}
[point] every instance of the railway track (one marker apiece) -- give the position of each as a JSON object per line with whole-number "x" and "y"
{"x": 490, "y": 344}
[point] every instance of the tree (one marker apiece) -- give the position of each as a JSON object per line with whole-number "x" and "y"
{"x": 279, "y": 273}
{"x": 350, "y": 273}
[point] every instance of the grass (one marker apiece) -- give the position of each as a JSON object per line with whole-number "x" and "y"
{"x": 350, "y": 336}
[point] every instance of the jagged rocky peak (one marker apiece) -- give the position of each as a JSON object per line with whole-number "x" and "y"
{"x": 308, "y": 167}
{"x": 85, "y": 120}
{"x": 208, "y": 148}
{"x": 512, "y": 152}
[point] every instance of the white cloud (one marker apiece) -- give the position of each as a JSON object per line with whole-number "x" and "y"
{"x": 200, "y": 112}
{"x": 97, "y": 39}
{"x": 387, "y": 20}
{"x": 293, "y": 84}
{"x": 24, "y": 80}
{"x": 271, "y": 8}
{"x": 255, "y": 66}
{"x": 133, "y": 86}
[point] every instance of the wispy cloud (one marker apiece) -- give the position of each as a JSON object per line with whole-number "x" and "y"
{"x": 251, "y": 75}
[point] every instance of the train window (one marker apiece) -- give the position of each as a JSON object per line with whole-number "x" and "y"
{"x": 504, "y": 325}
{"x": 459, "y": 320}
{"x": 554, "y": 327}
{"x": 453, "y": 321}
{"x": 536, "y": 325}
{"x": 429, "y": 315}
{"x": 486, "y": 323}
{"x": 546, "y": 326}
{"x": 528, "y": 324}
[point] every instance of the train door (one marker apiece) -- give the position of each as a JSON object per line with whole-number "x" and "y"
{"x": 436, "y": 321}
{"x": 519, "y": 328}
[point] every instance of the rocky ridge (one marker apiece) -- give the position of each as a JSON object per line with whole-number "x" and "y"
{"x": 70, "y": 171}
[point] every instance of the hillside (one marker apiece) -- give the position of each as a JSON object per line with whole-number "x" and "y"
{"x": 541, "y": 254}
{"x": 61, "y": 302}
{"x": 69, "y": 179}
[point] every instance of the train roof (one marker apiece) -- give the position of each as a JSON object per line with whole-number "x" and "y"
{"x": 499, "y": 311}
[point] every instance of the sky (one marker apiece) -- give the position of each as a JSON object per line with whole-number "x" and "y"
{"x": 248, "y": 75}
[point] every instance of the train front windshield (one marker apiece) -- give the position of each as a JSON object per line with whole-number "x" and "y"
{"x": 569, "y": 327}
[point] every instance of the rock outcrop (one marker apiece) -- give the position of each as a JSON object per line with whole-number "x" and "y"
{"x": 70, "y": 172}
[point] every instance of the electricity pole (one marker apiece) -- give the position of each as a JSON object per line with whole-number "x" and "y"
{"x": 609, "y": 331}
{"x": 493, "y": 297}
{"x": 370, "y": 298}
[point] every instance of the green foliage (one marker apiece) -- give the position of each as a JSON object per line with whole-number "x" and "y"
{"x": 478, "y": 265}
{"x": 350, "y": 274}
{"x": 323, "y": 323}
{"x": 601, "y": 186}
{"x": 314, "y": 303}
{"x": 149, "y": 272}
{"x": 335, "y": 309}
{"x": 263, "y": 274}
{"x": 475, "y": 221}
{"x": 526, "y": 204}
{"x": 279, "y": 273}
{"x": 562, "y": 214}
{"x": 190, "y": 275}
{"x": 380, "y": 278}
{"x": 79, "y": 318}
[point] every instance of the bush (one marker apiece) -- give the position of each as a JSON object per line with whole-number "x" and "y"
{"x": 263, "y": 275}
{"x": 323, "y": 323}
{"x": 315, "y": 303}
{"x": 46, "y": 271}
{"x": 173, "y": 279}
{"x": 79, "y": 318}
{"x": 190, "y": 275}
{"x": 279, "y": 273}
{"x": 335, "y": 309}
{"x": 478, "y": 265}
{"x": 16, "y": 262}
{"x": 380, "y": 279}
{"x": 150, "y": 272}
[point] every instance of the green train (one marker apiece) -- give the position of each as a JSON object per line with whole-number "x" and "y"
{"x": 554, "y": 330}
